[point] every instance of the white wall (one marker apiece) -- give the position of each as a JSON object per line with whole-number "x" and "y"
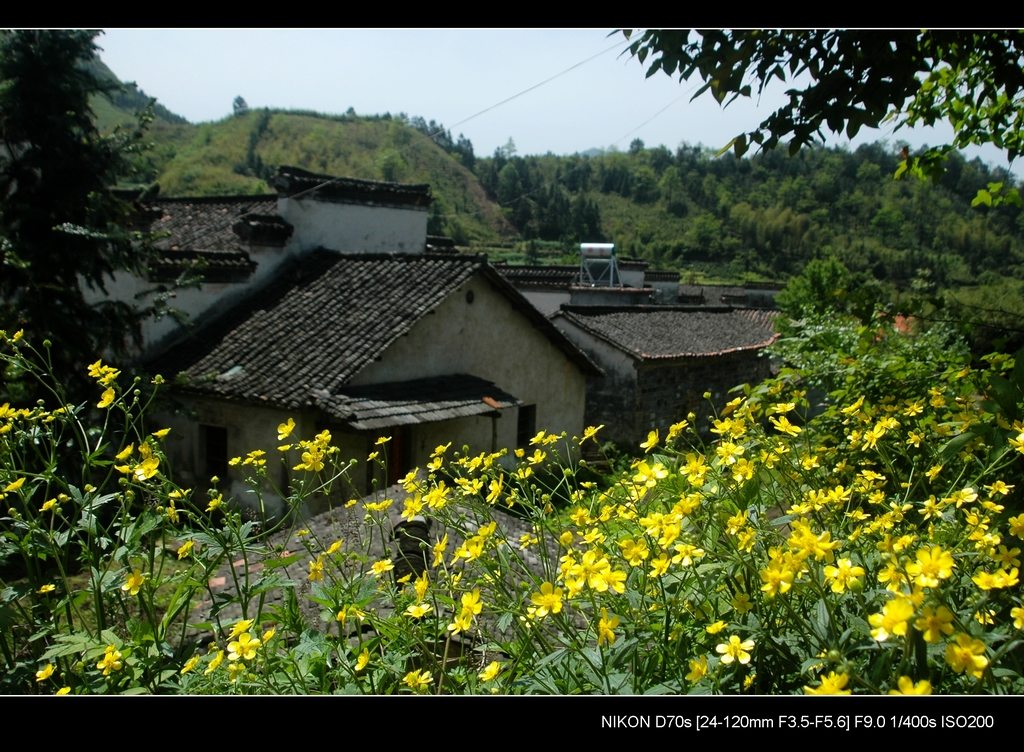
{"x": 192, "y": 301}
{"x": 354, "y": 228}
{"x": 617, "y": 365}
{"x": 546, "y": 301}
{"x": 490, "y": 339}
{"x": 632, "y": 277}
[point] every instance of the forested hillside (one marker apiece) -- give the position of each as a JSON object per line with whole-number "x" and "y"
{"x": 766, "y": 216}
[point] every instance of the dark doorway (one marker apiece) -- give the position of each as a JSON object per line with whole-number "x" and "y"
{"x": 213, "y": 451}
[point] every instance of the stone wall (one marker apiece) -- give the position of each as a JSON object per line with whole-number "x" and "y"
{"x": 660, "y": 393}
{"x": 667, "y": 393}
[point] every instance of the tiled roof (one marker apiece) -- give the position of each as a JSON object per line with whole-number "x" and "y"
{"x": 661, "y": 332}
{"x": 416, "y": 401}
{"x": 316, "y": 326}
{"x": 205, "y": 223}
{"x": 539, "y": 276}
{"x": 293, "y": 180}
{"x": 298, "y": 341}
{"x": 563, "y": 275}
{"x": 760, "y": 316}
{"x": 212, "y": 266}
{"x": 658, "y": 275}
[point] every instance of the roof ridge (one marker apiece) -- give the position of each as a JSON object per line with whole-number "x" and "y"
{"x": 213, "y": 199}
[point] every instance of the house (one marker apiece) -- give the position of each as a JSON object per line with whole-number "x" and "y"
{"x": 659, "y": 358}
{"x": 323, "y": 305}
{"x": 659, "y": 361}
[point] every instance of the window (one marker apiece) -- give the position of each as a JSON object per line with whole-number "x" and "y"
{"x": 213, "y": 451}
{"x": 399, "y": 454}
{"x": 526, "y": 425}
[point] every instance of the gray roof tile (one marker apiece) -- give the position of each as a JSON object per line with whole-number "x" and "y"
{"x": 315, "y": 327}
{"x": 415, "y": 401}
{"x": 205, "y": 223}
{"x": 659, "y": 332}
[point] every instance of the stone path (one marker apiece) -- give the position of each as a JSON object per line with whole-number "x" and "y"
{"x": 318, "y": 532}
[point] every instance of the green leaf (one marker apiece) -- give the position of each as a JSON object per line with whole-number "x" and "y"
{"x": 8, "y": 617}
{"x": 662, "y": 689}
{"x": 275, "y": 562}
{"x": 69, "y": 644}
{"x": 821, "y": 619}
{"x": 982, "y": 198}
{"x": 952, "y": 447}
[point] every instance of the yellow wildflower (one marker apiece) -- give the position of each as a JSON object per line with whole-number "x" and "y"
{"x": 844, "y": 575}
{"x": 316, "y": 569}
{"x": 418, "y": 680}
{"x": 1018, "y": 616}
{"x": 490, "y": 672}
{"x": 244, "y": 648}
{"x": 966, "y": 655}
{"x": 107, "y": 399}
{"x": 735, "y": 650}
{"x": 45, "y": 672}
{"x": 362, "y": 660}
{"x": 698, "y": 669}
{"x": 606, "y": 627}
{"x": 934, "y": 622}
{"x": 215, "y": 663}
{"x": 908, "y": 687}
{"x": 892, "y": 620}
{"x": 133, "y": 582}
{"x": 239, "y": 627}
{"x": 1001, "y": 578}
{"x": 190, "y": 664}
{"x": 932, "y": 564}
{"x": 783, "y": 425}
{"x": 111, "y": 660}
{"x": 284, "y": 430}
{"x": 547, "y": 601}
{"x": 652, "y": 441}
{"x": 833, "y": 684}
{"x": 418, "y": 610}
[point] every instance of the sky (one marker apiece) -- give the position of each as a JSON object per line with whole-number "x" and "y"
{"x": 588, "y": 93}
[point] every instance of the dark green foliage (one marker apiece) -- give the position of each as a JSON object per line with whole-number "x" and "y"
{"x": 826, "y": 284}
{"x": 764, "y": 217}
{"x": 971, "y": 80}
{"x": 62, "y": 228}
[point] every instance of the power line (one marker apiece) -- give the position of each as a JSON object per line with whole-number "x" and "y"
{"x": 538, "y": 85}
{"x": 654, "y": 116}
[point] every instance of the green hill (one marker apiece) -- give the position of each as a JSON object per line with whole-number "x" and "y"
{"x": 238, "y": 154}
